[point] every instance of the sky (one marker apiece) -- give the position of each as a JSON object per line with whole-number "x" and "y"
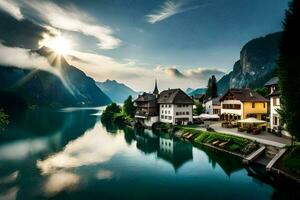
{"x": 178, "y": 42}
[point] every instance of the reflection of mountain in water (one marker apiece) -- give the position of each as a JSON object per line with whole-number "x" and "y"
{"x": 31, "y": 136}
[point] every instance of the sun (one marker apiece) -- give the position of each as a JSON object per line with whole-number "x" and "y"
{"x": 59, "y": 44}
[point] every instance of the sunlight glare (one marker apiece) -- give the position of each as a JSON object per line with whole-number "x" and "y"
{"x": 59, "y": 44}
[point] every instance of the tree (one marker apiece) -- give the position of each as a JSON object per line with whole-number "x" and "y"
{"x": 262, "y": 91}
{"x": 212, "y": 88}
{"x": 289, "y": 71}
{"x": 109, "y": 112}
{"x": 199, "y": 109}
{"x": 208, "y": 91}
{"x": 128, "y": 107}
{"x": 3, "y": 119}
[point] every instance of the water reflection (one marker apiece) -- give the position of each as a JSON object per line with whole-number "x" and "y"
{"x": 93, "y": 147}
{"x": 70, "y": 155}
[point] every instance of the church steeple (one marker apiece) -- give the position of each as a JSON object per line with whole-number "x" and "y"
{"x": 155, "y": 91}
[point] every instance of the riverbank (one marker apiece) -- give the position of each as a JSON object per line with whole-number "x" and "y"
{"x": 287, "y": 165}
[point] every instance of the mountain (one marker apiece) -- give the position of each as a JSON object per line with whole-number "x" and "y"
{"x": 189, "y": 90}
{"x": 39, "y": 87}
{"x": 118, "y": 92}
{"x": 197, "y": 91}
{"x": 256, "y": 65}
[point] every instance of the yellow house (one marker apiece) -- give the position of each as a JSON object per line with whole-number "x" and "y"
{"x": 243, "y": 103}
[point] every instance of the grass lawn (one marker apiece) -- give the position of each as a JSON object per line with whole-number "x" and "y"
{"x": 291, "y": 160}
{"x": 234, "y": 143}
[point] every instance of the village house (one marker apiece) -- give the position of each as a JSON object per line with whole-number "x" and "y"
{"x": 175, "y": 107}
{"x": 274, "y": 95}
{"x": 239, "y": 104}
{"x": 147, "y": 112}
{"x": 212, "y": 106}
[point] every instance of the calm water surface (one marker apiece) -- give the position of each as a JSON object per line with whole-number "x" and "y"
{"x": 69, "y": 154}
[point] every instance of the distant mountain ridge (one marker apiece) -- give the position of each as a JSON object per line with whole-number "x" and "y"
{"x": 256, "y": 65}
{"x": 118, "y": 92}
{"x": 192, "y": 92}
{"x": 39, "y": 87}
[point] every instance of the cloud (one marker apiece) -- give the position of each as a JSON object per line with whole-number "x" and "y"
{"x": 68, "y": 18}
{"x": 171, "y": 72}
{"x": 23, "y": 58}
{"x": 203, "y": 73}
{"x": 194, "y": 73}
{"x": 71, "y": 18}
{"x": 21, "y": 33}
{"x": 168, "y": 9}
{"x": 11, "y": 8}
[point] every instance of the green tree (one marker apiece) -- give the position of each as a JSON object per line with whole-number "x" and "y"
{"x": 128, "y": 107}
{"x": 199, "y": 109}
{"x": 262, "y": 91}
{"x": 208, "y": 91}
{"x": 3, "y": 119}
{"x": 109, "y": 112}
{"x": 288, "y": 69}
{"x": 214, "y": 87}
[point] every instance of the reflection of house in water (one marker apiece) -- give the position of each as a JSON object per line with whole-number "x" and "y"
{"x": 227, "y": 162}
{"x": 175, "y": 151}
{"x": 147, "y": 141}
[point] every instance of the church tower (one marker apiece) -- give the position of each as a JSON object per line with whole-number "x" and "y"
{"x": 155, "y": 91}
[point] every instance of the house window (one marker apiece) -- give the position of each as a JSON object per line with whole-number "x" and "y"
{"x": 264, "y": 105}
{"x": 275, "y": 121}
{"x": 169, "y": 106}
{"x": 275, "y": 102}
{"x": 162, "y": 117}
{"x": 187, "y": 113}
{"x": 170, "y": 118}
{"x": 168, "y": 112}
{"x": 253, "y": 105}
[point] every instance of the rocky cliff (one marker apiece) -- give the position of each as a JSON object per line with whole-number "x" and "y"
{"x": 256, "y": 65}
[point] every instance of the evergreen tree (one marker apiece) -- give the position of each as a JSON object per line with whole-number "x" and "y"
{"x": 208, "y": 91}
{"x": 289, "y": 69}
{"x": 128, "y": 107}
{"x": 214, "y": 87}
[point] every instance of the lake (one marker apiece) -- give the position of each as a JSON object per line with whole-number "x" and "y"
{"x": 70, "y": 154}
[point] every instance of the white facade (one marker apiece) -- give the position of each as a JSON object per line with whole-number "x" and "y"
{"x": 166, "y": 146}
{"x": 175, "y": 113}
{"x": 232, "y": 111}
{"x": 274, "y": 116}
{"x": 209, "y": 107}
{"x": 150, "y": 121}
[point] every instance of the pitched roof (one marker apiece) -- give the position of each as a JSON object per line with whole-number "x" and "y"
{"x": 174, "y": 96}
{"x": 245, "y": 95}
{"x": 215, "y": 101}
{"x": 146, "y": 97}
{"x": 272, "y": 81}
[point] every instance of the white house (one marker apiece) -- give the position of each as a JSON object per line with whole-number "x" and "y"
{"x": 274, "y": 95}
{"x": 175, "y": 107}
{"x": 213, "y": 106}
